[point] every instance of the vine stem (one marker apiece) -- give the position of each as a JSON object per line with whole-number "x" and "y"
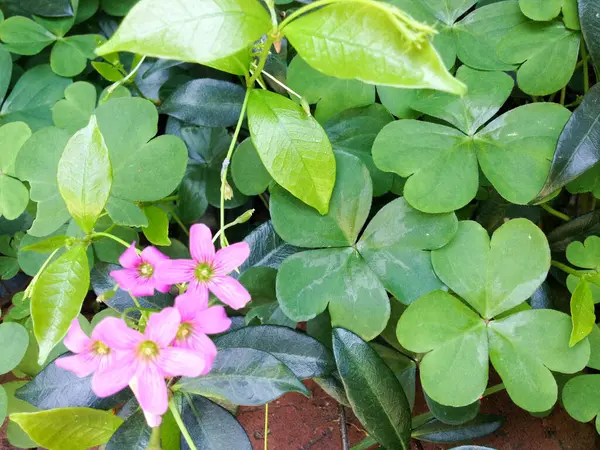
{"x": 177, "y": 219}
{"x": 493, "y": 389}
{"x": 124, "y": 80}
{"x": 181, "y": 425}
{"x": 225, "y": 167}
{"x": 154, "y": 443}
{"x": 563, "y": 94}
{"x": 586, "y": 68}
{"x": 344, "y": 428}
{"x": 554, "y": 212}
{"x": 279, "y": 83}
{"x": 261, "y": 61}
{"x": 114, "y": 238}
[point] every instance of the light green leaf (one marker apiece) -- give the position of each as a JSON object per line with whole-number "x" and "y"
{"x": 189, "y": 31}
{"x": 301, "y": 225}
{"x": 375, "y": 394}
{"x": 157, "y": 231}
{"x": 541, "y": 9}
{"x": 478, "y": 34}
{"x": 3, "y": 404}
{"x": 37, "y": 163}
{"x": 398, "y": 101}
{"x": 68, "y": 428}
{"x": 9, "y": 268}
{"x": 581, "y": 398}
{"x": 331, "y": 95}
{"x": 33, "y": 96}
{"x": 14, "y": 341}
{"x": 455, "y": 371}
{"x": 589, "y": 181}
{"x": 354, "y": 131}
{"x": 582, "y": 312}
{"x": 108, "y": 71}
{"x": 142, "y": 170}
{"x": 248, "y": 171}
{"x": 16, "y": 436}
{"x": 57, "y": 298}
{"x": 494, "y": 276}
{"x": 526, "y": 346}
{"x": 107, "y": 250}
{"x": 548, "y": 52}
{"x": 594, "y": 340}
{"x": 46, "y": 245}
{"x": 307, "y": 282}
{"x": 571, "y": 14}
{"x": 487, "y": 92}
{"x": 70, "y": 55}
{"x": 14, "y": 197}
{"x": 585, "y": 254}
{"x": 12, "y": 137}
{"x": 85, "y": 175}
{"x": 74, "y": 112}
{"x": 293, "y": 147}
{"x": 23, "y": 36}
{"x": 440, "y": 162}
{"x": 396, "y": 246}
{"x": 365, "y": 43}
{"x": 124, "y": 212}
{"x": 515, "y": 150}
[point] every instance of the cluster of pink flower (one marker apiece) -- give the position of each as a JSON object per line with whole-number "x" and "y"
{"x": 174, "y": 342}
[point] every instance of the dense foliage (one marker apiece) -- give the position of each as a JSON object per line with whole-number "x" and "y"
{"x": 351, "y": 191}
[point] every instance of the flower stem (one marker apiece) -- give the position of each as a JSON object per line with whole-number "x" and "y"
{"x": 266, "y": 426}
{"x": 110, "y": 236}
{"x": 177, "y": 219}
{"x": 493, "y": 389}
{"x": 261, "y": 62}
{"x": 567, "y": 269}
{"x": 154, "y": 443}
{"x": 554, "y": 212}
{"x": 122, "y": 81}
{"x": 226, "y": 161}
{"x": 279, "y": 83}
{"x": 181, "y": 425}
{"x": 563, "y": 94}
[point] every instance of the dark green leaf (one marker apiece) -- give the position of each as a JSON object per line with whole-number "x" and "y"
{"x": 46, "y": 8}
{"x": 248, "y": 171}
{"x": 451, "y": 415}
{"x": 575, "y": 230}
{"x": 436, "y": 431}
{"x": 211, "y": 426}
{"x": 133, "y": 434}
{"x": 54, "y": 387}
{"x": 305, "y": 356}
{"x": 206, "y": 102}
{"x": 244, "y": 376}
{"x": 578, "y": 148}
{"x": 374, "y": 392}
{"x": 590, "y": 27}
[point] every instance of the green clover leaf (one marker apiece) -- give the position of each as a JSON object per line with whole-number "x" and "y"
{"x": 442, "y": 162}
{"x": 586, "y": 255}
{"x": 14, "y": 196}
{"x": 581, "y": 398}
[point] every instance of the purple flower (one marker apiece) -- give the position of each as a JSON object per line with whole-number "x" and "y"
{"x": 139, "y": 273}
{"x": 208, "y": 270}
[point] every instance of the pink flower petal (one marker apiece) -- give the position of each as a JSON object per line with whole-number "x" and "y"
{"x": 212, "y": 320}
{"x": 116, "y": 334}
{"x": 174, "y": 362}
{"x": 202, "y": 344}
{"x": 143, "y": 288}
{"x": 189, "y": 304}
{"x": 114, "y": 374}
{"x": 201, "y": 247}
{"x": 173, "y": 271}
{"x": 229, "y": 258}
{"x": 153, "y": 256}
{"x": 150, "y": 389}
{"x": 162, "y": 327}
{"x": 130, "y": 259}
{"x": 153, "y": 420}
{"x": 127, "y": 279}
{"x": 161, "y": 287}
{"x": 76, "y": 340}
{"x": 229, "y": 291}
{"x": 199, "y": 291}
{"x": 81, "y": 365}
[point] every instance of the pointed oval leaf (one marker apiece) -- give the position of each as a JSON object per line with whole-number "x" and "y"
{"x": 188, "y": 30}
{"x": 133, "y": 434}
{"x": 380, "y": 53}
{"x": 375, "y": 394}
{"x": 57, "y": 298}
{"x": 293, "y": 147}
{"x": 85, "y": 175}
{"x": 589, "y": 11}
{"x": 68, "y": 428}
{"x": 157, "y": 231}
{"x": 583, "y": 317}
{"x": 301, "y": 225}
{"x": 244, "y": 376}
{"x": 304, "y": 355}
{"x": 436, "y": 431}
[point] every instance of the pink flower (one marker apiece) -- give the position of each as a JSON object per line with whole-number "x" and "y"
{"x": 94, "y": 355}
{"x": 148, "y": 358}
{"x": 139, "y": 273}
{"x": 196, "y": 322}
{"x": 207, "y": 270}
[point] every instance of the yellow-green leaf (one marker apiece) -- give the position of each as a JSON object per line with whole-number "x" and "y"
{"x": 582, "y": 312}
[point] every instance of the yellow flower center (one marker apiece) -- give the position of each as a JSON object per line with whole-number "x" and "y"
{"x": 203, "y": 272}
{"x": 184, "y": 331}
{"x": 148, "y": 349}
{"x": 145, "y": 270}
{"x": 100, "y": 348}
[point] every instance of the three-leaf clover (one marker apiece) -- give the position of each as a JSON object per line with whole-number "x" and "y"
{"x": 442, "y": 163}
{"x": 461, "y": 335}
{"x": 69, "y": 55}
{"x": 351, "y": 276}
{"x": 587, "y": 256}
